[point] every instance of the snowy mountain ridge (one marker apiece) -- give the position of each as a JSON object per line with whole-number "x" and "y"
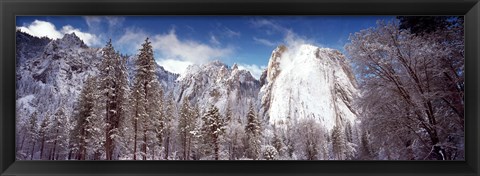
{"x": 215, "y": 83}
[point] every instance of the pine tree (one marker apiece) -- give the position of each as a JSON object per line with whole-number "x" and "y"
{"x": 277, "y": 141}
{"x": 113, "y": 85}
{"x": 252, "y": 130}
{"x": 212, "y": 130}
{"x": 123, "y": 133}
{"x": 60, "y": 133}
{"x": 144, "y": 98}
{"x": 43, "y": 133}
{"x": 366, "y": 152}
{"x": 84, "y": 110}
{"x": 197, "y": 140}
{"x": 32, "y": 132}
{"x": 338, "y": 143}
{"x": 186, "y": 124}
{"x": 121, "y": 98}
{"x": 137, "y": 99}
{"x": 170, "y": 114}
{"x": 232, "y": 128}
{"x": 158, "y": 118}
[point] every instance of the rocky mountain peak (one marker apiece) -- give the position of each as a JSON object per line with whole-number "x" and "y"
{"x": 71, "y": 41}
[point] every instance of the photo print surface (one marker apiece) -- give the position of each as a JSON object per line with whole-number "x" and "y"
{"x": 240, "y": 88}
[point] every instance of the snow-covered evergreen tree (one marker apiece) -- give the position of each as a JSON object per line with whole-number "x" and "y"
{"x": 32, "y": 133}
{"x": 170, "y": 116}
{"x": 277, "y": 141}
{"x": 234, "y": 135}
{"x": 113, "y": 87}
{"x": 212, "y": 130}
{"x": 253, "y": 134}
{"x": 338, "y": 143}
{"x": 61, "y": 135}
{"x": 137, "y": 100}
{"x": 44, "y": 135}
{"x": 186, "y": 125}
{"x": 144, "y": 99}
{"x": 197, "y": 140}
{"x": 158, "y": 125}
{"x": 81, "y": 135}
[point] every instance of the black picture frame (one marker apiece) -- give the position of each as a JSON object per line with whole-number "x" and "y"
{"x": 9, "y": 9}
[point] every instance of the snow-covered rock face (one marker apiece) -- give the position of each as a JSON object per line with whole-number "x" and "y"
{"x": 54, "y": 76}
{"x": 28, "y": 47}
{"x": 307, "y": 82}
{"x": 215, "y": 83}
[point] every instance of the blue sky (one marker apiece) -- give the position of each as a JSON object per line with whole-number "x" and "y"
{"x": 179, "y": 41}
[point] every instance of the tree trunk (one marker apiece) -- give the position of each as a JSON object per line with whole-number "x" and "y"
{"x": 41, "y": 148}
{"x": 216, "y": 148}
{"x": 108, "y": 140}
{"x": 153, "y": 152}
{"x": 23, "y": 140}
{"x": 167, "y": 146}
{"x": 54, "y": 149}
{"x": 188, "y": 148}
{"x": 144, "y": 146}
{"x": 185, "y": 145}
{"x": 33, "y": 150}
{"x": 135, "y": 134}
{"x": 50, "y": 155}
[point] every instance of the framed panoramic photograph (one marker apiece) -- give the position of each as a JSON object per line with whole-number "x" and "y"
{"x": 235, "y": 88}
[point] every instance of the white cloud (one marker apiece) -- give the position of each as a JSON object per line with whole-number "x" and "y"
{"x": 170, "y": 46}
{"x": 291, "y": 39}
{"x": 41, "y": 29}
{"x": 255, "y": 70}
{"x": 46, "y": 29}
{"x": 174, "y": 54}
{"x": 174, "y": 66}
{"x": 263, "y": 41}
{"x": 131, "y": 41}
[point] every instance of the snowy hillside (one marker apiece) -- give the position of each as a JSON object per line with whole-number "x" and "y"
{"x": 308, "y": 82}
